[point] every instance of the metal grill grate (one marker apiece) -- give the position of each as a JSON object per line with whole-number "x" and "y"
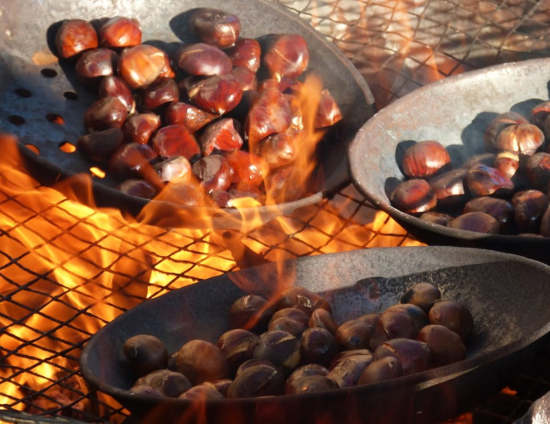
{"x": 48, "y": 311}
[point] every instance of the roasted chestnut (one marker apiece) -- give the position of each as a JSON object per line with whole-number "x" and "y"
{"x": 295, "y": 314}
{"x": 279, "y": 149}
{"x": 222, "y": 385}
{"x": 286, "y": 56}
{"x": 414, "y": 355}
{"x": 438, "y": 218}
{"x": 120, "y": 32}
{"x": 169, "y": 383}
{"x": 416, "y": 314}
{"x": 246, "y": 53}
{"x": 529, "y": 206}
{"x": 200, "y": 361}
{"x": 191, "y": 116}
{"x": 311, "y": 384}
{"x": 479, "y": 222}
{"x": 289, "y": 325}
{"x": 259, "y": 380}
{"x": 245, "y": 78}
{"x": 523, "y": 139}
{"x": 280, "y": 348}
{"x": 397, "y": 323}
{"x": 138, "y": 188}
{"x": 145, "y": 353}
{"x": 96, "y": 63}
{"x": 107, "y": 112}
{"x": 306, "y": 371}
{"x": 249, "y": 363}
{"x": 346, "y": 370}
{"x": 328, "y": 112}
{"x": 498, "y": 124}
{"x": 138, "y": 128}
{"x": 100, "y": 145}
{"x": 323, "y": 319}
{"x": 237, "y": 345}
{"x": 507, "y": 163}
{"x": 141, "y": 65}
{"x": 445, "y": 345}
{"x": 484, "y": 180}
{"x": 217, "y": 94}
{"x": 146, "y": 390}
{"x": 355, "y": 334}
{"x": 249, "y": 170}
{"x": 215, "y": 26}
{"x": 303, "y": 299}
{"x": 75, "y": 36}
{"x": 449, "y": 187}
{"x": 499, "y": 209}
{"x": 131, "y": 159}
{"x": 112, "y": 86}
{"x": 221, "y": 135}
{"x": 318, "y": 345}
{"x": 538, "y": 170}
{"x": 203, "y": 59}
{"x": 453, "y": 316}
{"x": 380, "y": 370}
{"x": 214, "y": 172}
{"x": 175, "y": 140}
{"x": 201, "y": 393}
{"x": 163, "y": 91}
{"x": 174, "y": 169}
{"x": 414, "y": 196}
{"x": 251, "y": 312}
{"x": 423, "y": 295}
{"x": 424, "y": 158}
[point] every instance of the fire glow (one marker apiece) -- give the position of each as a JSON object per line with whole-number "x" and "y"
{"x": 68, "y": 267}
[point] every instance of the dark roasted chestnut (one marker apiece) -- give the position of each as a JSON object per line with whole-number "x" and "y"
{"x": 259, "y": 380}
{"x": 318, "y": 345}
{"x": 397, "y": 323}
{"x": 217, "y": 94}
{"x": 138, "y": 128}
{"x": 453, "y": 316}
{"x": 438, "y": 218}
{"x": 203, "y": 59}
{"x": 529, "y": 206}
{"x": 237, "y": 345}
{"x": 306, "y": 371}
{"x": 246, "y": 53}
{"x": 200, "y": 361}
{"x": 286, "y": 56}
{"x": 484, "y": 180}
{"x": 289, "y": 325}
{"x": 141, "y": 65}
{"x": 120, "y": 32}
{"x": 355, "y": 334}
{"x": 346, "y": 370}
{"x": 214, "y": 172}
{"x": 479, "y": 222}
{"x": 131, "y": 159}
{"x": 112, "y": 86}
{"x": 96, "y": 63}
{"x": 222, "y": 385}
{"x": 145, "y": 353}
{"x": 249, "y": 363}
{"x": 538, "y": 170}
{"x": 424, "y": 158}
{"x": 75, "y": 36}
{"x": 215, "y": 26}
{"x": 173, "y": 169}
{"x": 328, "y": 112}
{"x": 291, "y": 313}
{"x": 499, "y": 209}
{"x": 163, "y": 91}
{"x": 301, "y": 298}
{"x": 414, "y": 196}
{"x": 449, "y": 187}
{"x": 220, "y": 135}
{"x": 138, "y": 188}
{"x": 175, "y": 140}
{"x": 423, "y": 295}
{"x": 380, "y": 370}
{"x": 169, "y": 383}
{"x": 201, "y": 393}
{"x": 322, "y": 318}
{"x": 107, "y": 112}
{"x": 251, "y": 312}
{"x": 311, "y": 384}
{"x": 498, "y": 124}
{"x": 523, "y": 139}
{"x": 415, "y": 313}
{"x": 191, "y": 116}
{"x": 445, "y": 345}
{"x": 280, "y": 348}
{"x": 413, "y": 355}
{"x": 100, "y": 145}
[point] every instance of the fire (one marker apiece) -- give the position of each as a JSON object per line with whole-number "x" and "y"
{"x": 68, "y": 267}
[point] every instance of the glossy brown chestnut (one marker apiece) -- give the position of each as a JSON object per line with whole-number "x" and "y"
{"x": 163, "y": 91}
{"x": 215, "y": 26}
{"x": 310, "y": 384}
{"x": 139, "y": 128}
{"x": 174, "y": 169}
{"x": 221, "y": 135}
{"x": 279, "y": 149}
{"x": 438, "y": 218}
{"x": 355, "y": 334}
{"x": 100, "y": 145}
{"x": 107, "y": 112}
{"x": 269, "y": 114}
{"x": 249, "y": 170}
{"x": 306, "y": 371}
{"x": 479, "y": 222}
{"x": 445, "y": 345}
{"x": 413, "y": 355}
{"x": 380, "y": 370}
{"x": 191, "y": 116}
{"x": 423, "y": 295}
{"x": 96, "y": 63}
{"x": 424, "y": 158}
{"x": 296, "y": 328}
{"x": 214, "y": 172}
{"x": 112, "y": 86}
{"x": 328, "y": 112}
{"x": 538, "y": 170}
{"x": 131, "y": 159}
{"x": 454, "y": 316}
{"x": 346, "y": 370}
{"x": 529, "y": 206}
{"x": 249, "y": 363}
{"x": 169, "y": 383}
{"x": 286, "y": 56}
{"x": 138, "y": 188}
{"x": 145, "y": 353}
{"x": 251, "y": 312}
{"x": 499, "y": 209}
{"x": 416, "y": 314}
{"x": 507, "y": 163}
{"x": 449, "y": 187}
{"x": 141, "y": 65}
{"x": 175, "y": 140}
{"x": 120, "y": 32}
{"x": 237, "y": 345}
{"x": 301, "y": 298}
{"x": 203, "y": 59}
{"x": 75, "y": 36}
{"x": 217, "y": 94}
{"x": 259, "y": 380}
{"x": 414, "y": 196}
{"x": 201, "y": 393}
{"x": 322, "y": 318}
{"x": 245, "y": 78}
{"x": 498, "y": 124}
{"x": 523, "y": 139}
{"x": 280, "y": 348}
{"x": 397, "y": 323}
{"x": 246, "y": 53}
{"x": 483, "y": 180}
{"x": 200, "y": 361}
{"x": 318, "y": 345}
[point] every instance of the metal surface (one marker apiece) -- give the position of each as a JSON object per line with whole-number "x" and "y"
{"x": 455, "y": 111}
{"x": 26, "y": 62}
{"x": 497, "y": 288}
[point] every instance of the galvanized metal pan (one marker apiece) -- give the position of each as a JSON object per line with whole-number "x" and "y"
{"x": 27, "y": 28}
{"x": 505, "y": 293}
{"x": 454, "y": 111}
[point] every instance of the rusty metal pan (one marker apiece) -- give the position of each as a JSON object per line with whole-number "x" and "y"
{"x": 455, "y": 111}
{"x": 26, "y": 62}
{"x": 498, "y": 289}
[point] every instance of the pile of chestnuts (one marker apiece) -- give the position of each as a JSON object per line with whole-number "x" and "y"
{"x": 223, "y": 112}
{"x": 294, "y": 346}
{"x": 503, "y": 191}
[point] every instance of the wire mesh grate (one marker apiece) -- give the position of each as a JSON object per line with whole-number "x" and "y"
{"x": 105, "y": 264}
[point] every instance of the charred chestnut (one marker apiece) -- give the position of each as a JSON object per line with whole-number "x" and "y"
{"x": 454, "y": 316}
{"x": 424, "y": 158}
{"x": 200, "y": 361}
{"x": 237, "y": 345}
{"x": 251, "y": 312}
{"x": 280, "y": 348}
{"x": 75, "y": 36}
{"x": 380, "y": 370}
{"x": 169, "y": 383}
{"x": 120, "y": 32}
{"x": 259, "y": 380}
{"x": 479, "y": 222}
{"x": 414, "y": 196}
{"x": 529, "y": 206}
{"x": 318, "y": 345}
{"x": 445, "y": 345}
{"x": 215, "y": 26}
{"x": 145, "y": 353}
{"x": 413, "y": 355}
{"x": 203, "y": 59}
{"x": 423, "y": 295}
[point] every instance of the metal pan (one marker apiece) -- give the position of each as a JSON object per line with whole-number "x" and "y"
{"x": 28, "y": 26}
{"x": 454, "y": 111}
{"x": 505, "y": 293}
